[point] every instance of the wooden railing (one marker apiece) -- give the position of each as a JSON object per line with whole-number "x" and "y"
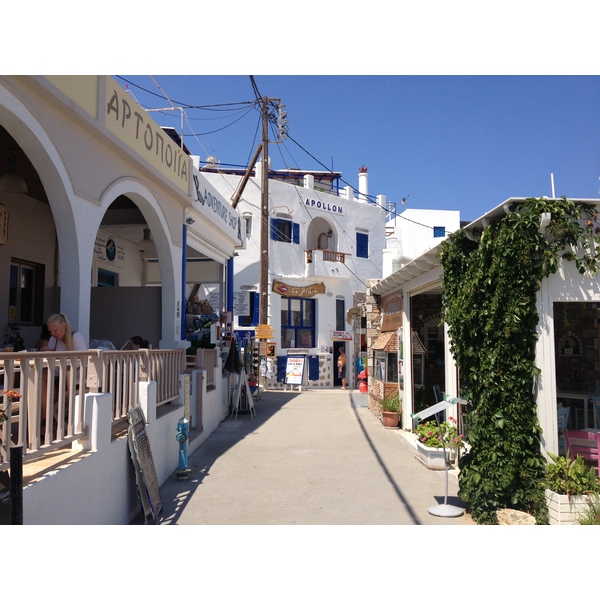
{"x": 50, "y": 383}
{"x": 328, "y": 255}
{"x": 206, "y": 359}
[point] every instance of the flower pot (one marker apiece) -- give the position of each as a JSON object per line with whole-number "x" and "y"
{"x": 565, "y": 510}
{"x": 390, "y": 419}
{"x": 433, "y": 458}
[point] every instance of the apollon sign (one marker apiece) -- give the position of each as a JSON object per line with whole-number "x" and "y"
{"x": 300, "y": 292}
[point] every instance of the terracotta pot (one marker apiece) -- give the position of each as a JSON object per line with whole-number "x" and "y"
{"x": 390, "y": 419}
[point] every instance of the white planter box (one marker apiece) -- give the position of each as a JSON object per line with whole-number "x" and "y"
{"x": 565, "y": 510}
{"x": 433, "y": 458}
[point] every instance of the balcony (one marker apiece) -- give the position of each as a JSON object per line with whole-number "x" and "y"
{"x": 323, "y": 263}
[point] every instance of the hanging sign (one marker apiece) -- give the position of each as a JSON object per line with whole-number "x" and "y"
{"x": 298, "y": 292}
{"x": 263, "y": 332}
{"x": 341, "y": 335}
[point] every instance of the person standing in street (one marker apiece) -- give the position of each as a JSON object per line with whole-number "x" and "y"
{"x": 341, "y": 364}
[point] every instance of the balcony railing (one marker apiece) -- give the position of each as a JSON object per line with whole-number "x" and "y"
{"x": 326, "y": 255}
{"x": 50, "y": 412}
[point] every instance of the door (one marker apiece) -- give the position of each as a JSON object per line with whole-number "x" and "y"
{"x": 337, "y": 381}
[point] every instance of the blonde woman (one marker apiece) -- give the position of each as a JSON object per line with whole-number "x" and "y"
{"x": 63, "y": 337}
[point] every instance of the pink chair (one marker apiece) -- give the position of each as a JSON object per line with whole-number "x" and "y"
{"x": 584, "y": 443}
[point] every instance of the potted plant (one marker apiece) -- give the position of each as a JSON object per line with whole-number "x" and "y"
{"x": 390, "y": 411}
{"x": 569, "y": 485}
{"x": 429, "y": 442}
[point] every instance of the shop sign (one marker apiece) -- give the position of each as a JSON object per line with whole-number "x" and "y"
{"x": 341, "y": 336}
{"x": 298, "y": 292}
{"x": 391, "y": 311}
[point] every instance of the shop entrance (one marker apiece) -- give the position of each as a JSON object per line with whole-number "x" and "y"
{"x": 337, "y": 381}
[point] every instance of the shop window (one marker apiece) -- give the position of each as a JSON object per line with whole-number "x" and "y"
{"x": 386, "y": 366}
{"x": 26, "y": 293}
{"x": 251, "y": 320}
{"x": 298, "y": 323}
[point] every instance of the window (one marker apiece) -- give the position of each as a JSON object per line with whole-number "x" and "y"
{"x": 340, "y": 314}
{"x": 439, "y": 232}
{"x": 107, "y": 278}
{"x": 26, "y": 293}
{"x": 298, "y": 323}
{"x": 284, "y": 230}
{"x": 362, "y": 245}
{"x": 248, "y": 222}
{"x": 252, "y": 319}
{"x": 386, "y": 366}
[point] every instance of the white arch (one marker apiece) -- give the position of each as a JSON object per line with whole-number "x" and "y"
{"x": 168, "y": 252}
{"x": 75, "y": 266}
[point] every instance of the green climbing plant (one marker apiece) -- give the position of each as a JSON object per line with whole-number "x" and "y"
{"x": 489, "y": 304}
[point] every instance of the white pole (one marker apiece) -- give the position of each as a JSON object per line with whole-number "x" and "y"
{"x": 552, "y": 180}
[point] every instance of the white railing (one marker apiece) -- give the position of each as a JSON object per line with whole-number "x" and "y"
{"x": 206, "y": 359}
{"x": 50, "y": 384}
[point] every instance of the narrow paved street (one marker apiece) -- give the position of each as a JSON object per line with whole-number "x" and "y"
{"x": 309, "y": 458}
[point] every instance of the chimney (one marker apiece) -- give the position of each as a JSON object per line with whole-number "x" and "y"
{"x": 363, "y": 184}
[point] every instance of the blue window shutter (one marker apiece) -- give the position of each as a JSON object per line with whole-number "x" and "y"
{"x": 275, "y": 229}
{"x": 313, "y": 367}
{"x": 256, "y": 311}
{"x": 296, "y": 233}
{"x": 439, "y": 232}
{"x": 281, "y": 367}
{"x": 362, "y": 245}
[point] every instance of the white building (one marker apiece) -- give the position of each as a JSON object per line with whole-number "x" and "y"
{"x": 413, "y": 232}
{"x": 104, "y": 217}
{"x": 324, "y": 244}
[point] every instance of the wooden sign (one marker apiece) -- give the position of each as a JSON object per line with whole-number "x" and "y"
{"x": 298, "y": 292}
{"x": 145, "y": 472}
{"x": 263, "y": 332}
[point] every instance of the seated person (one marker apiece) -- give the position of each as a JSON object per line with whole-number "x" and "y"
{"x": 135, "y": 343}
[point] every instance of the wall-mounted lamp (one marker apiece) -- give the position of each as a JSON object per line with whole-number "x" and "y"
{"x": 329, "y": 233}
{"x": 146, "y": 245}
{"x": 190, "y": 221}
{"x": 11, "y": 182}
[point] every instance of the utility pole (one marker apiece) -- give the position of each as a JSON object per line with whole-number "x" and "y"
{"x": 264, "y": 213}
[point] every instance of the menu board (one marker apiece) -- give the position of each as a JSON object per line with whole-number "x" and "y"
{"x": 145, "y": 472}
{"x": 294, "y": 370}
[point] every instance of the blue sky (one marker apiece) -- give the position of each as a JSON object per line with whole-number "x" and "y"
{"x": 443, "y": 142}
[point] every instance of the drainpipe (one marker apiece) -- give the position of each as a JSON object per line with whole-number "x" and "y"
{"x": 183, "y": 280}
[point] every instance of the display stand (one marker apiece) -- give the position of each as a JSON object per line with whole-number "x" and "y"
{"x": 445, "y": 509}
{"x": 242, "y": 387}
{"x": 294, "y": 371}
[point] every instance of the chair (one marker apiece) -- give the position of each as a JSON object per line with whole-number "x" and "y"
{"x": 585, "y": 444}
{"x": 562, "y": 424}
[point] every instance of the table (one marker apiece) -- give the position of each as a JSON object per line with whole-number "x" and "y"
{"x": 584, "y": 398}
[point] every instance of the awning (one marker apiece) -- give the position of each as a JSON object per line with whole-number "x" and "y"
{"x": 384, "y": 340}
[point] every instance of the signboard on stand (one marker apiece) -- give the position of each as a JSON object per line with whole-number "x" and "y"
{"x": 145, "y": 472}
{"x": 294, "y": 370}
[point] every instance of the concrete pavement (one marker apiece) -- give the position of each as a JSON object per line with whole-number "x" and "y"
{"x": 315, "y": 457}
